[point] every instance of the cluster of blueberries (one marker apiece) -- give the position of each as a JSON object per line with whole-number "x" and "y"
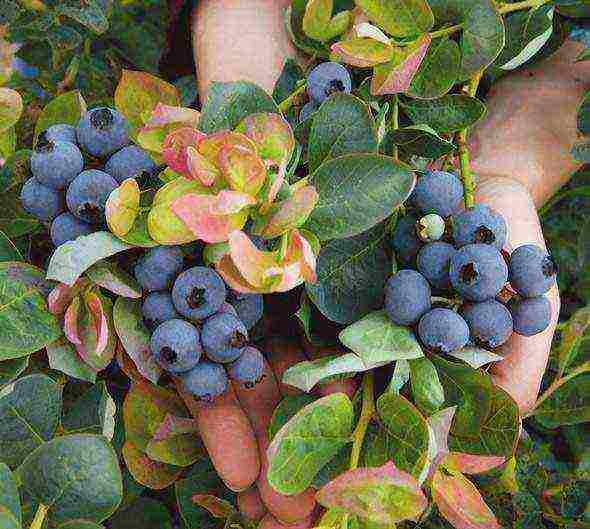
{"x": 199, "y": 326}
{"x": 452, "y": 252}
{"x": 62, "y": 192}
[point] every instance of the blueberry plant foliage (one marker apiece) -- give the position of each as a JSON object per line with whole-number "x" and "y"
{"x": 299, "y": 190}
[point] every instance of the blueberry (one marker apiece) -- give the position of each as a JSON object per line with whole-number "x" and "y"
{"x": 102, "y": 131}
{"x": 531, "y": 271}
{"x": 88, "y": 193}
{"x": 158, "y": 268}
{"x": 129, "y": 162}
{"x": 430, "y": 228}
{"x": 407, "y": 297}
{"x": 157, "y": 308}
{"x": 405, "y": 241}
{"x": 443, "y": 331}
{"x": 479, "y": 225}
{"x": 434, "y": 261}
{"x": 327, "y": 78}
{"x": 249, "y": 307}
{"x": 56, "y": 163}
{"x": 307, "y": 110}
{"x": 44, "y": 203}
{"x": 60, "y": 132}
{"x": 478, "y": 272}
{"x": 226, "y": 307}
{"x": 206, "y": 381}
{"x": 438, "y": 192}
{"x": 248, "y": 368}
{"x": 66, "y": 227}
{"x": 198, "y": 293}
{"x": 176, "y": 346}
{"x": 490, "y": 323}
{"x": 530, "y": 315}
{"x": 224, "y": 337}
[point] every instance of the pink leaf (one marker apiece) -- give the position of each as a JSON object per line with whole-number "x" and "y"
{"x": 211, "y": 145}
{"x": 252, "y": 263}
{"x": 164, "y": 115}
{"x": 173, "y": 425}
{"x": 242, "y": 169}
{"x": 71, "y": 321}
{"x": 228, "y": 202}
{"x": 175, "y": 145}
{"x": 199, "y": 168}
{"x": 301, "y": 251}
{"x": 461, "y": 503}
{"x": 384, "y": 495}
{"x": 292, "y": 212}
{"x": 232, "y": 276}
{"x": 470, "y": 463}
{"x": 99, "y": 318}
{"x": 60, "y": 297}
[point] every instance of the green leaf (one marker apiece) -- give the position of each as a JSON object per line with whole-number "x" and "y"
{"x": 318, "y": 22}
{"x": 285, "y": 411}
{"x": 499, "y": 432}
{"x": 93, "y": 412}
{"x": 67, "y": 108}
{"x": 8, "y": 251}
{"x": 427, "y": 390}
{"x": 568, "y": 404}
{"x": 10, "y": 513}
{"x": 11, "y": 108}
{"x": 309, "y": 441}
{"x": 356, "y": 192}
{"x": 379, "y": 341}
{"x": 447, "y": 114}
{"x": 62, "y": 356}
{"x": 470, "y": 391}
{"x": 78, "y": 476}
{"x": 73, "y": 258}
{"x": 111, "y": 277}
{"x": 402, "y": 437}
{"x": 12, "y": 369}
{"x": 89, "y": 13}
{"x": 80, "y": 524}
{"x": 400, "y": 18}
{"x": 8, "y": 142}
{"x": 438, "y": 72}
{"x": 291, "y": 74}
{"x": 30, "y": 410}
{"x": 581, "y": 152}
{"x": 421, "y": 140}
{"x": 476, "y": 357}
{"x": 343, "y": 125}
{"x": 229, "y": 103}
{"x": 145, "y": 513}
{"x": 25, "y": 323}
{"x": 575, "y": 332}
{"x": 351, "y": 276}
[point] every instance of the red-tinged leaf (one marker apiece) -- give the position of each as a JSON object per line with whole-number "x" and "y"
{"x": 275, "y": 187}
{"x": 98, "y": 342}
{"x": 147, "y": 472}
{"x": 122, "y": 207}
{"x": 256, "y": 266}
{"x": 11, "y": 108}
{"x": 363, "y": 52}
{"x": 137, "y": 95}
{"x": 199, "y": 168}
{"x": 461, "y": 503}
{"x": 211, "y": 145}
{"x": 300, "y": 251}
{"x": 217, "y": 507}
{"x": 242, "y": 169}
{"x": 71, "y": 321}
{"x": 232, "y": 276}
{"x": 439, "y": 425}
{"x": 173, "y": 425}
{"x": 395, "y": 76}
{"x": 99, "y": 319}
{"x": 163, "y": 121}
{"x": 291, "y": 213}
{"x": 471, "y": 464}
{"x": 272, "y": 136}
{"x": 198, "y": 212}
{"x": 60, "y": 298}
{"x": 175, "y": 145}
{"x": 229, "y": 202}
{"x": 384, "y": 495}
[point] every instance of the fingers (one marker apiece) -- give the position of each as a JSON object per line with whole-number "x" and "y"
{"x": 282, "y": 354}
{"x": 250, "y": 504}
{"x": 228, "y": 437}
{"x": 525, "y": 359}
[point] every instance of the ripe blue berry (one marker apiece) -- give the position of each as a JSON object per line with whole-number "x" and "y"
{"x": 102, "y": 131}
{"x": 249, "y": 307}
{"x": 206, "y": 381}
{"x": 224, "y": 337}
{"x": 88, "y": 193}
{"x": 198, "y": 293}
{"x": 479, "y": 225}
{"x": 226, "y": 307}
{"x": 532, "y": 271}
{"x": 66, "y": 227}
{"x": 438, "y": 192}
{"x": 44, "y": 203}
{"x": 530, "y": 315}
{"x": 434, "y": 261}
{"x": 478, "y": 272}
{"x": 326, "y": 79}
{"x": 405, "y": 241}
{"x": 443, "y": 331}
{"x": 56, "y": 163}
{"x": 307, "y": 110}
{"x": 158, "y": 268}
{"x": 61, "y": 132}
{"x": 158, "y": 308}
{"x": 176, "y": 346}
{"x": 129, "y": 162}
{"x": 248, "y": 368}
{"x": 490, "y": 323}
{"x": 407, "y": 297}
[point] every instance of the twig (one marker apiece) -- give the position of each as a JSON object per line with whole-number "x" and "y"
{"x": 519, "y": 6}
{"x": 37, "y": 522}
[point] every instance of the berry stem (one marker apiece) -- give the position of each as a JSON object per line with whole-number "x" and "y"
{"x": 287, "y": 103}
{"x": 519, "y": 6}
{"x": 464, "y": 162}
{"x": 394, "y": 123}
{"x": 446, "y": 31}
{"x": 39, "y": 518}
{"x": 367, "y": 412}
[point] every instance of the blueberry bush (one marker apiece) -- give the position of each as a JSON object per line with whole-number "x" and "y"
{"x": 281, "y": 310}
